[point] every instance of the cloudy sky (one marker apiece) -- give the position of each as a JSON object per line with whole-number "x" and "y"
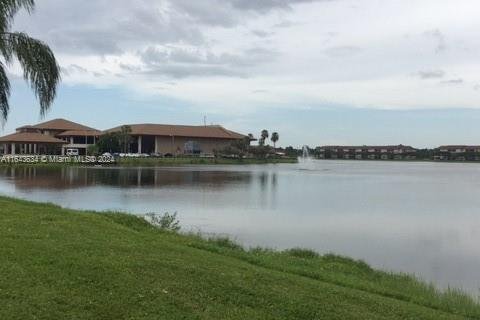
{"x": 318, "y": 72}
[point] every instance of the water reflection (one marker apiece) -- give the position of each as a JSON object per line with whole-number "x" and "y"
{"x": 80, "y": 177}
{"x": 412, "y": 217}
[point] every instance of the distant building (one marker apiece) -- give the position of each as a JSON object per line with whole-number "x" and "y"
{"x": 179, "y": 139}
{"x": 399, "y": 152}
{"x": 457, "y": 153}
{"x": 51, "y": 137}
{"x": 59, "y": 135}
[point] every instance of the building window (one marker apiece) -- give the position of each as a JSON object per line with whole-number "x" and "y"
{"x": 79, "y": 140}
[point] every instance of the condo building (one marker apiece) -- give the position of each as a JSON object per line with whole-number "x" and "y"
{"x": 457, "y": 153}
{"x": 399, "y": 152}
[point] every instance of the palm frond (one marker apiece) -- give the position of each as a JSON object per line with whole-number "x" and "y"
{"x": 8, "y": 8}
{"x": 39, "y": 65}
{"x": 4, "y": 94}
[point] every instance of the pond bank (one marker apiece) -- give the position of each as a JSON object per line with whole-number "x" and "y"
{"x": 60, "y": 263}
{"x": 151, "y": 161}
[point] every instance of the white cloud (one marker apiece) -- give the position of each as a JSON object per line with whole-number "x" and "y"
{"x": 285, "y": 53}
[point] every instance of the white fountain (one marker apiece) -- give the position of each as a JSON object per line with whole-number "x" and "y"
{"x": 305, "y": 161}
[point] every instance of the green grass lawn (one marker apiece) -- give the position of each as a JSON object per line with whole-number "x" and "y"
{"x": 64, "y": 264}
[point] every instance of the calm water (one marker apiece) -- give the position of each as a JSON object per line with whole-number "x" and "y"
{"x": 420, "y": 218}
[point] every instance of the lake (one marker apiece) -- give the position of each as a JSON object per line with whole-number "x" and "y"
{"x": 412, "y": 217}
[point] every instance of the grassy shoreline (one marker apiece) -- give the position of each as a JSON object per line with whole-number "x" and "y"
{"x": 159, "y": 162}
{"x": 199, "y": 161}
{"x": 66, "y": 264}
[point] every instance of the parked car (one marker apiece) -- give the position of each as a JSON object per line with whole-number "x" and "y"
{"x": 72, "y": 152}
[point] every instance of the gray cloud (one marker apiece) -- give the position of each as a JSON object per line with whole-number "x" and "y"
{"x": 98, "y": 27}
{"x": 439, "y": 38}
{"x": 342, "y": 51}
{"x": 181, "y": 62}
{"x": 267, "y": 5}
{"x": 431, "y": 74}
{"x": 458, "y": 81}
{"x": 261, "y": 33}
{"x": 73, "y": 68}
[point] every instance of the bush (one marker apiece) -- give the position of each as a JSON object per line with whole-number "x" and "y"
{"x": 167, "y": 221}
{"x": 225, "y": 242}
{"x": 302, "y": 253}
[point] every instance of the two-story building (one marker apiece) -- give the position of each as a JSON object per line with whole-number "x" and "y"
{"x": 457, "y": 153}
{"x": 50, "y": 137}
{"x": 398, "y": 152}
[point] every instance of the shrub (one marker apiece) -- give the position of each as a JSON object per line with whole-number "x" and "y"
{"x": 302, "y": 253}
{"x": 167, "y": 221}
{"x": 225, "y": 242}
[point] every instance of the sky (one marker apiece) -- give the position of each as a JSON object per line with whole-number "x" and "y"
{"x": 318, "y": 72}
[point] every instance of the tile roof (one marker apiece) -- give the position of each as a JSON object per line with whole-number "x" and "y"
{"x": 60, "y": 124}
{"x": 460, "y": 146}
{"x": 181, "y": 131}
{"x": 83, "y": 133}
{"x": 400, "y": 146}
{"x": 30, "y": 137}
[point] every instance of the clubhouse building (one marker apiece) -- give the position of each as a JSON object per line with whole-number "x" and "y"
{"x": 59, "y": 135}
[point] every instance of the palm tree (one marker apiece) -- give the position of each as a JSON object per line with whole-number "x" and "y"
{"x": 264, "y": 135}
{"x": 39, "y": 66}
{"x": 125, "y": 138}
{"x": 274, "y": 139}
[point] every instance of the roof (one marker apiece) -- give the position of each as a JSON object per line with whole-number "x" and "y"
{"x": 24, "y": 127}
{"x": 460, "y": 146}
{"x": 60, "y": 124}
{"x": 30, "y": 137}
{"x": 400, "y": 146}
{"x": 180, "y": 131}
{"x": 72, "y": 133}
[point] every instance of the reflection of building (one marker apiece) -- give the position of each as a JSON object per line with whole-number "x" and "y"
{"x": 399, "y": 152}
{"x": 176, "y": 139}
{"x": 51, "y": 137}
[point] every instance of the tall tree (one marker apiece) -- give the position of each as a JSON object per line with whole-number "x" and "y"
{"x": 274, "y": 139}
{"x": 39, "y": 65}
{"x": 125, "y": 138}
{"x": 109, "y": 142}
{"x": 264, "y": 135}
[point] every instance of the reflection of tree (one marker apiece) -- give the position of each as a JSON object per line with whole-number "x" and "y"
{"x": 274, "y": 180}
{"x": 77, "y": 177}
{"x": 263, "y": 177}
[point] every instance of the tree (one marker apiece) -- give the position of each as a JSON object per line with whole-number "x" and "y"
{"x": 274, "y": 139}
{"x": 109, "y": 142}
{"x": 264, "y": 135}
{"x": 125, "y": 138}
{"x": 92, "y": 150}
{"x": 39, "y": 65}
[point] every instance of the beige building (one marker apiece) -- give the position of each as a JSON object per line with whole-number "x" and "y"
{"x": 50, "y": 137}
{"x": 178, "y": 139}
{"x": 59, "y": 135}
